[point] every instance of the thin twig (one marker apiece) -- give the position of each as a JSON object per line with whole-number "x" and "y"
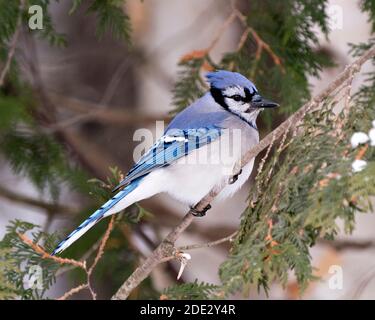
{"x": 208, "y": 244}
{"x": 205, "y": 52}
{"x": 91, "y": 290}
{"x": 243, "y": 39}
{"x": 261, "y": 44}
{"x": 45, "y": 255}
{"x": 84, "y": 257}
{"x": 73, "y": 291}
{"x": 74, "y": 263}
{"x": 102, "y": 245}
{"x": 88, "y": 111}
{"x": 364, "y": 281}
{"x": 221, "y": 30}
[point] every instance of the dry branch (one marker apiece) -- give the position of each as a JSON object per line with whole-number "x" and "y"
{"x": 74, "y": 263}
{"x": 166, "y": 250}
{"x": 73, "y": 291}
{"x": 45, "y": 255}
{"x": 209, "y": 244}
{"x": 102, "y": 245}
{"x": 261, "y": 44}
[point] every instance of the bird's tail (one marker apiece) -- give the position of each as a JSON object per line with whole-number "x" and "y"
{"x": 103, "y": 211}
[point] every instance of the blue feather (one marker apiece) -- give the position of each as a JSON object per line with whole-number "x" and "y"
{"x": 222, "y": 79}
{"x": 164, "y": 152}
{"x": 99, "y": 214}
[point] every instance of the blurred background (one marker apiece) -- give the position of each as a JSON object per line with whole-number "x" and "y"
{"x": 102, "y": 90}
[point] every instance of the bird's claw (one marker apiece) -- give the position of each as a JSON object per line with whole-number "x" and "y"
{"x": 234, "y": 178}
{"x": 198, "y": 213}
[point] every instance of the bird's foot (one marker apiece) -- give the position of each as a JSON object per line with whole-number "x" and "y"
{"x": 202, "y": 213}
{"x": 234, "y": 178}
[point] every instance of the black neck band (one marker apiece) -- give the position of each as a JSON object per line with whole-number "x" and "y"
{"x": 219, "y": 98}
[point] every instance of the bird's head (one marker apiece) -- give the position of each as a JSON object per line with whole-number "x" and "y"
{"x": 237, "y": 94}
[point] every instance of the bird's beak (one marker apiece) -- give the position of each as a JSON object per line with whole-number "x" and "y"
{"x": 260, "y": 102}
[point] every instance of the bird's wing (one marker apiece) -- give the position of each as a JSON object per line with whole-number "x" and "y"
{"x": 173, "y": 145}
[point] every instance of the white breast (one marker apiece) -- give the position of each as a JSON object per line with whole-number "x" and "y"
{"x": 231, "y": 189}
{"x": 192, "y": 177}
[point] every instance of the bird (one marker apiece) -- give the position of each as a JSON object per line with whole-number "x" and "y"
{"x": 197, "y": 152}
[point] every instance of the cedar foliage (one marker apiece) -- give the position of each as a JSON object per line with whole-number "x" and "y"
{"x": 296, "y": 200}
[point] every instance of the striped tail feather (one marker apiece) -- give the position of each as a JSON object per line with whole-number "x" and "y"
{"x": 95, "y": 217}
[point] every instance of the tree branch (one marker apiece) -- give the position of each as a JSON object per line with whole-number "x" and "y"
{"x": 13, "y": 45}
{"x": 45, "y": 255}
{"x": 73, "y": 291}
{"x": 341, "y": 245}
{"x": 49, "y": 207}
{"x": 166, "y": 250}
{"x": 74, "y": 263}
{"x": 208, "y": 244}
{"x": 87, "y": 111}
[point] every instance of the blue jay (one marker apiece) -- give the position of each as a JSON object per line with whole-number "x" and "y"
{"x": 186, "y": 161}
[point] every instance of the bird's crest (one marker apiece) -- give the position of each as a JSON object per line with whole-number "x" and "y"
{"x": 222, "y": 79}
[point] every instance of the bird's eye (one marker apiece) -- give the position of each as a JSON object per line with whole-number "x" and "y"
{"x": 236, "y": 97}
